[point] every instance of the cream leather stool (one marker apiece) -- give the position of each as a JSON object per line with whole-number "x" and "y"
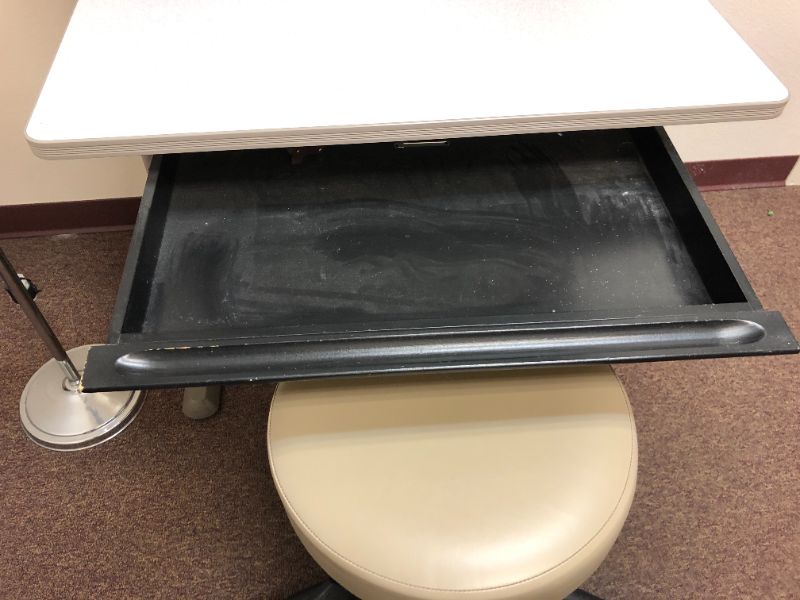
{"x": 480, "y": 485}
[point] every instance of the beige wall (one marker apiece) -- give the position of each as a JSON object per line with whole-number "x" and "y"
{"x": 30, "y": 31}
{"x": 772, "y": 28}
{"x": 794, "y": 176}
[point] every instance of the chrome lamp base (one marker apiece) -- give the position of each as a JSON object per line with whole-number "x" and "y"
{"x": 57, "y": 415}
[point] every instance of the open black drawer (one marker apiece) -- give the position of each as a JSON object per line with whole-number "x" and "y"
{"x": 488, "y": 252}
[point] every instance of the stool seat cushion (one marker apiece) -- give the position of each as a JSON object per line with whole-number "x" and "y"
{"x": 496, "y": 485}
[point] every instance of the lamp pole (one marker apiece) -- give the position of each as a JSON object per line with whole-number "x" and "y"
{"x": 24, "y": 298}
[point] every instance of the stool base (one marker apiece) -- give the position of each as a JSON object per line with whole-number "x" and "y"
{"x": 330, "y": 590}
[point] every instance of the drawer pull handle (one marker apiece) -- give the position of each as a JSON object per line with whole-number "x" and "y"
{"x": 554, "y": 345}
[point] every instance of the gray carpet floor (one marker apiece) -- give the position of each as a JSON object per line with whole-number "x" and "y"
{"x": 180, "y": 509}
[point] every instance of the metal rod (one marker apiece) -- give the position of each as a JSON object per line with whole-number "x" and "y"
{"x": 35, "y": 316}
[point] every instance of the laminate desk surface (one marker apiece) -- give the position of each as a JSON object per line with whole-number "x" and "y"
{"x": 196, "y": 75}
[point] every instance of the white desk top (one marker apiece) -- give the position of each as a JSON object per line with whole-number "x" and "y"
{"x": 162, "y": 76}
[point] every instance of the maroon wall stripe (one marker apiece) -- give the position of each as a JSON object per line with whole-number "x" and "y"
{"x": 117, "y": 214}
{"x": 19, "y": 220}
{"x": 741, "y": 173}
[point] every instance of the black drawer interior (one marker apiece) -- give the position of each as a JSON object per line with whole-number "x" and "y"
{"x": 485, "y": 252}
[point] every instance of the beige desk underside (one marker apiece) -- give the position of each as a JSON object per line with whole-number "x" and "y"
{"x": 197, "y": 75}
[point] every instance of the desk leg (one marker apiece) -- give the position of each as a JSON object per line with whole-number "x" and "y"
{"x": 201, "y": 402}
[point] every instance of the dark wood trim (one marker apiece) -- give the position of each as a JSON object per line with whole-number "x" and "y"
{"x": 83, "y": 216}
{"x": 119, "y": 214}
{"x": 740, "y": 173}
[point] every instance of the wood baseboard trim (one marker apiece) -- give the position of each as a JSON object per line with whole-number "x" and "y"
{"x": 742, "y": 173}
{"x": 53, "y": 218}
{"x": 119, "y": 214}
